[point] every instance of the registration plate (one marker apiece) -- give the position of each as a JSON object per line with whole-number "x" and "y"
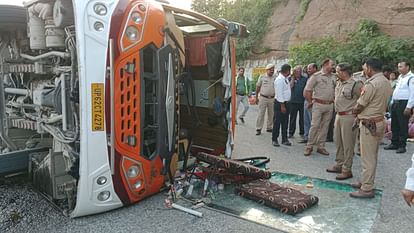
{"x": 98, "y": 107}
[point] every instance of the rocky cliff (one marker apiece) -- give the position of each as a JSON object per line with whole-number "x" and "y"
{"x": 333, "y": 18}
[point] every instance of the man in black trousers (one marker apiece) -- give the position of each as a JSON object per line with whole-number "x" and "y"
{"x": 297, "y": 101}
{"x": 401, "y": 108}
{"x": 281, "y": 107}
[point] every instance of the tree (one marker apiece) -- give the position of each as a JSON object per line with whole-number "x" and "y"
{"x": 213, "y": 8}
{"x": 254, "y": 14}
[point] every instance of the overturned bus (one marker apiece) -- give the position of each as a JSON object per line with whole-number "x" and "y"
{"x": 98, "y": 96}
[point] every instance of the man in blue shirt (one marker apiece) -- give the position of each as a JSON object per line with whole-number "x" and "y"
{"x": 307, "y": 114}
{"x": 297, "y": 85}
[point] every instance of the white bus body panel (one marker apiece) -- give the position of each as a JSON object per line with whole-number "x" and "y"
{"x": 92, "y": 61}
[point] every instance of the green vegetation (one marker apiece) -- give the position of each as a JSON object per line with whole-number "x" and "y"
{"x": 254, "y": 14}
{"x": 356, "y": 3}
{"x": 303, "y": 7}
{"x": 253, "y": 82}
{"x": 366, "y": 41}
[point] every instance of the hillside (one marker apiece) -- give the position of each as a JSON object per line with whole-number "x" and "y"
{"x": 333, "y": 18}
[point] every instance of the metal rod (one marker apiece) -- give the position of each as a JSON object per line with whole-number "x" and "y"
{"x": 187, "y": 210}
{"x": 45, "y": 55}
{"x": 52, "y": 120}
{"x": 112, "y": 95}
{"x": 64, "y": 110}
{"x": 16, "y": 91}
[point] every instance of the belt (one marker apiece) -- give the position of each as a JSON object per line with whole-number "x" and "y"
{"x": 268, "y": 97}
{"x": 241, "y": 94}
{"x": 399, "y": 101}
{"x": 277, "y": 102}
{"x": 375, "y": 119}
{"x": 319, "y": 101}
{"x": 345, "y": 113}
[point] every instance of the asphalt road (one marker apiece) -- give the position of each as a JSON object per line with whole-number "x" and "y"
{"x": 151, "y": 216}
{"x": 394, "y": 214}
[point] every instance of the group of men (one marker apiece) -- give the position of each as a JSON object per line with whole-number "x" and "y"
{"x": 359, "y": 102}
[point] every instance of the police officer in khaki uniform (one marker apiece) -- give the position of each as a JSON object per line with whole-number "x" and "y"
{"x": 265, "y": 87}
{"x": 319, "y": 92}
{"x": 347, "y": 92}
{"x": 370, "y": 110}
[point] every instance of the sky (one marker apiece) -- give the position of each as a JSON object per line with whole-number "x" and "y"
{"x": 180, "y": 3}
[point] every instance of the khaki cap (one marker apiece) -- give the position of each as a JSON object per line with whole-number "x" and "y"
{"x": 270, "y": 66}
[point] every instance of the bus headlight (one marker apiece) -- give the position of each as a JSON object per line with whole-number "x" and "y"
{"x": 132, "y": 33}
{"x": 133, "y": 28}
{"x": 132, "y": 171}
{"x": 136, "y": 17}
{"x": 104, "y": 195}
{"x": 138, "y": 184}
{"x": 142, "y": 7}
{"x": 98, "y": 26}
{"x": 134, "y": 175}
{"x": 101, "y": 180}
{"x": 100, "y": 9}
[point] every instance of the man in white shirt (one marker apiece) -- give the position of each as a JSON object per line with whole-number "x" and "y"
{"x": 281, "y": 107}
{"x": 402, "y": 103}
{"x": 408, "y": 192}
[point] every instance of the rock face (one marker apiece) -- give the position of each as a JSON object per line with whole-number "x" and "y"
{"x": 334, "y": 18}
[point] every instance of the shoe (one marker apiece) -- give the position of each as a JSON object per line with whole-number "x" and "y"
{"x": 391, "y": 147}
{"x": 258, "y": 132}
{"x": 329, "y": 140}
{"x": 290, "y": 136}
{"x": 362, "y": 194}
{"x": 344, "y": 176}
{"x": 356, "y": 185}
{"x": 308, "y": 151}
{"x": 322, "y": 151}
{"x": 334, "y": 169}
{"x": 275, "y": 143}
{"x": 241, "y": 119}
{"x": 286, "y": 143}
{"x": 303, "y": 141}
{"x": 401, "y": 150}
{"x": 269, "y": 130}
